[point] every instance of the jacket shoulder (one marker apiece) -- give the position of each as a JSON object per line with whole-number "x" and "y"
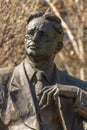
{"x": 5, "y": 76}
{"x": 71, "y": 80}
{"x": 5, "y": 73}
{"x": 6, "y": 70}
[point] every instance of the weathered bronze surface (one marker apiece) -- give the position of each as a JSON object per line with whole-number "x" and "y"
{"x": 35, "y": 95}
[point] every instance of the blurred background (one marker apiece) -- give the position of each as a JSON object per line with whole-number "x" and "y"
{"x": 13, "y": 15}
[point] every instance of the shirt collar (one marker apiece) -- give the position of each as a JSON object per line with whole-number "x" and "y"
{"x": 31, "y": 71}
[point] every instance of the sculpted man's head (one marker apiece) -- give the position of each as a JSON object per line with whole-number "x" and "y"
{"x": 44, "y": 35}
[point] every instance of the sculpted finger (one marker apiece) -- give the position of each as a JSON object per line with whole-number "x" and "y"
{"x": 44, "y": 106}
{"x": 44, "y": 89}
{"x": 49, "y": 96}
{"x": 44, "y": 97}
{"x": 56, "y": 94}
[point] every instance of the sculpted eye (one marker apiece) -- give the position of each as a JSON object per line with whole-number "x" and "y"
{"x": 30, "y": 32}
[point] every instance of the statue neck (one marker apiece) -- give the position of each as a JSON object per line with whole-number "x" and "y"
{"x": 40, "y": 63}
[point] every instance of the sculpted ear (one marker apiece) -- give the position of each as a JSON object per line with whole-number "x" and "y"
{"x": 59, "y": 46}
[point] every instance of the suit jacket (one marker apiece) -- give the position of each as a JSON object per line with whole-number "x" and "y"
{"x": 17, "y": 107}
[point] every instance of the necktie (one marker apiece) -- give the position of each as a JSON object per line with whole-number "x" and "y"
{"x": 40, "y": 82}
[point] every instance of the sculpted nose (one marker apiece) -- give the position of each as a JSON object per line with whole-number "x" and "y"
{"x": 35, "y": 37}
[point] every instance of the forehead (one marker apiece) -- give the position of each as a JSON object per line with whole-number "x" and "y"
{"x": 41, "y": 24}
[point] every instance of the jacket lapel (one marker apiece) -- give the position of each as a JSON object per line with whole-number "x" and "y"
{"x": 64, "y": 105}
{"x": 22, "y": 97}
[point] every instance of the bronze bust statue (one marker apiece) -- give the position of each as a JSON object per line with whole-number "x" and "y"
{"x": 36, "y": 95}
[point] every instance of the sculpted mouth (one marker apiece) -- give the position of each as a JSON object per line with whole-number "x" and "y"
{"x": 33, "y": 47}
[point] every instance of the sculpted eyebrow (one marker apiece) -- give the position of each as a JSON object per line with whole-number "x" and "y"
{"x": 30, "y": 30}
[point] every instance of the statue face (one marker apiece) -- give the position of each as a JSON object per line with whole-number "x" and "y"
{"x": 40, "y": 38}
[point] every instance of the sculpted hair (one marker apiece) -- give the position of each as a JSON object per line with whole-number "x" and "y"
{"x": 55, "y": 21}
